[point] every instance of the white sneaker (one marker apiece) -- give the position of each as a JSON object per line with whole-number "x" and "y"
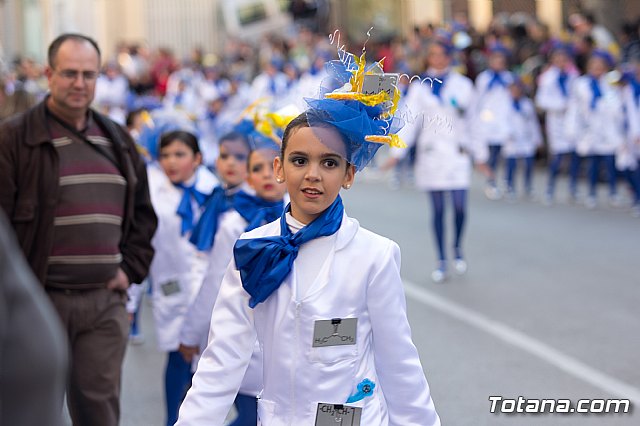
{"x": 547, "y": 200}
{"x": 590, "y": 202}
{"x": 460, "y": 266}
{"x": 438, "y": 276}
{"x": 616, "y": 201}
{"x": 492, "y": 193}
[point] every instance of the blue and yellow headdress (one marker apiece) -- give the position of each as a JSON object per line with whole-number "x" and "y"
{"x": 262, "y": 127}
{"x": 362, "y": 108}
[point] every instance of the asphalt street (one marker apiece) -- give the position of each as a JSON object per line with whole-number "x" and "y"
{"x": 549, "y": 308}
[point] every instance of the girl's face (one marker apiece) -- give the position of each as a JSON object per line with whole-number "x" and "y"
{"x": 232, "y": 162}
{"x": 261, "y": 177}
{"x": 178, "y": 161}
{"x": 596, "y": 67}
{"x": 312, "y": 172}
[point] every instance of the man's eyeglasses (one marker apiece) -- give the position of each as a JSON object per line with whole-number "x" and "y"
{"x": 73, "y": 75}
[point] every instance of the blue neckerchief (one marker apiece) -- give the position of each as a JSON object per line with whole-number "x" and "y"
{"x": 596, "y": 93}
{"x": 436, "y": 89}
{"x": 635, "y": 87}
{"x": 205, "y": 231}
{"x": 185, "y": 210}
{"x": 516, "y": 104}
{"x": 562, "y": 82}
{"x": 272, "y": 85}
{"x": 255, "y": 210}
{"x": 496, "y": 79}
{"x": 264, "y": 263}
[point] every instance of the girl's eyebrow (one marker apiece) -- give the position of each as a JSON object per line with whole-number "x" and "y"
{"x": 324, "y": 155}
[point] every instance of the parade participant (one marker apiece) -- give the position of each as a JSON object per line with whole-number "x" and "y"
{"x": 628, "y": 155}
{"x": 525, "y": 138}
{"x": 322, "y": 295}
{"x": 443, "y": 154}
{"x": 250, "y": 211}
{"x": 112, "y": 89}
{"x": 595, "y": 118}
{"x": 490, "y": 111}
{"x": 231, "y": 168}
{"x": 178, "y": 191}
{"x": 552, "y": 97}
{"x": 75, "y": 190}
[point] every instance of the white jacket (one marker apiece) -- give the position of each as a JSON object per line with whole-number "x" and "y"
{"x": 598, "y": 131}
{"x": 490, "y": 111}
{"x": 549, "y": 97}
{"x": 359, "y": 279}
{"x": 175, "y": 259}
{"x": 525, "y": 136}
{"x": 195, "y": 330}
{"x": 628, "y": 154}
{"x": 439, "y": 127}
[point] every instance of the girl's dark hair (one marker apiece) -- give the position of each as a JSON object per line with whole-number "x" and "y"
{"x": 300, "y": 121}
{"x": 320, "y": 119}
{"x": 187, "y": 138}
{"x": 235, "y": 137}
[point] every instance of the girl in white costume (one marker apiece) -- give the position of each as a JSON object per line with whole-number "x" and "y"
{"x": 177, "y": 191}
{"x": 524, "y": 140}
{"x": 596, "y": 119}
{"x": 490, "y": 111}
{"x": 552, "y": 97}
{"x": 443, "y": 154}
{"x": 322, "y": 295}
{"x": 249, "y": 212}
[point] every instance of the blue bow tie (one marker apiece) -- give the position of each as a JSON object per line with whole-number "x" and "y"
{"x": 264, "y": 263}
{"x": 562, "y": 82}
{"x": 496, "y": 80}
{"x": 185, "y": 209}
{"x": 205, "y": 231}
{"x": 436, "y": 86}
{"x": 517, "y": 105}
{"x": 596, "y": 92}
{"x": 255, "y": 210}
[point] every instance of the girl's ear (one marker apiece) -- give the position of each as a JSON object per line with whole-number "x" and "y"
{"x": 278, "y": 170}
{"x": 198, "y": 158}
{"x": 349, "y": 177}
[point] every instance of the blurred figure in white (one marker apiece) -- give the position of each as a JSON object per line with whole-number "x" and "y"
{"x": 491, "y": 110}
{"x": 112, "y": 89}
{"x": 552, "y": 97}
{"x": 595, "y": 118}
{"x": 525, "y": 139}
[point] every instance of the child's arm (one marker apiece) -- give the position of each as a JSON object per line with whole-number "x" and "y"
{"x": 224, "y": 361}
{"x": 196, "y": 324}
{"x": 402, "y": 379}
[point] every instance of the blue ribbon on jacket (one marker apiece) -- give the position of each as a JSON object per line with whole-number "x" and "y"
{"x": 596, "y": 93}
{"x": 563, "y": 77}
{"x": 205, "y": 231}
{"x": 255, "y": 210}
{"x": 496, "y": 79}
{"x": 264, "y": 263}
{"x": 185, "y": 209}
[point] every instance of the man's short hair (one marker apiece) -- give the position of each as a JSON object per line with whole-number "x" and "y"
{"x": 55, "y": 45}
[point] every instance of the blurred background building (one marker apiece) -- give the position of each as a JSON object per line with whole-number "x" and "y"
{"x": 27, "y": 26}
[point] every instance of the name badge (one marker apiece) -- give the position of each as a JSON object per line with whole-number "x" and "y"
{"x": 337, "y": 414}
{"x": 376, "y": 83}
{"x": 170, "y": 287}
{"x": 335, "y": 332}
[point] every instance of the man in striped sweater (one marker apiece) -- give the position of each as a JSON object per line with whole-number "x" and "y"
{"x": 76, "y": 193}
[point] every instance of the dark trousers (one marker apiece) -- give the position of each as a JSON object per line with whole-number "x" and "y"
{"x": 97, "y": 325}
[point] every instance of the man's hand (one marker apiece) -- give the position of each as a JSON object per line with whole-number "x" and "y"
{"x": 120, "y": 282}
{"x": 188, "y": 352}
